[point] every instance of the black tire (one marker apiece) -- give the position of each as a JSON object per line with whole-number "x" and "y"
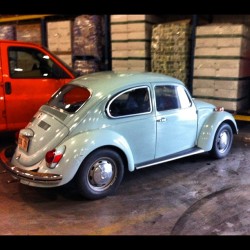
{"x": 222, "y": 141}
{"x": 100, "y": 174}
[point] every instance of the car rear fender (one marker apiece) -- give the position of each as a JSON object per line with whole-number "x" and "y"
{"x": 210, "y": 126}
{"x": 85, "y": 143}
{"x": 79, "y": 146}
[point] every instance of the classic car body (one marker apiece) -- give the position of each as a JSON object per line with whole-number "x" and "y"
{"x": 99, "y": 124}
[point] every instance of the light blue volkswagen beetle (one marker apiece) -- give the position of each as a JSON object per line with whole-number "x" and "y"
{"x": 99, "y": 124}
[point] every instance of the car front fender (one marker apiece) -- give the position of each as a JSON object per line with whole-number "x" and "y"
{"x": 210, "y": 126}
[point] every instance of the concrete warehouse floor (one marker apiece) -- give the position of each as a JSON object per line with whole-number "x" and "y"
{"x": 190, "y": 196}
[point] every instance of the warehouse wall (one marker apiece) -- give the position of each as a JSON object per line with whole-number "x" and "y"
{"x": 159, "y": 43}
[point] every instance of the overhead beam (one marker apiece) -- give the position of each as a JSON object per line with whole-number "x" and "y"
{"x": 21, "y": 17}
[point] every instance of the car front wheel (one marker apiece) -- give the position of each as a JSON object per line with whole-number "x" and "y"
{"x": 222, "y": 141}
{"x": 100, "y": 174}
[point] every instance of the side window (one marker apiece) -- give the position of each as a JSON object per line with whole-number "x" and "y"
{"x": 183, "y": 98}
{"x": 135, "y": 101}
{"x": 29, "y": 63}
{"x": 166, "y": 98}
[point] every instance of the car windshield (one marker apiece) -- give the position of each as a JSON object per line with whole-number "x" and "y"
{"x": 69, "y": 98}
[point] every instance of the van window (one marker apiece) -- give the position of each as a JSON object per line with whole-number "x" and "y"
{"x": 31, "y": 63}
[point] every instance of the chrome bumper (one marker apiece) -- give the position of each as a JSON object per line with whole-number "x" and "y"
{"x": 26, "y": 175}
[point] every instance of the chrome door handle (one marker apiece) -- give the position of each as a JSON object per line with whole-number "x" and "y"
{"x": 163, "y": 119}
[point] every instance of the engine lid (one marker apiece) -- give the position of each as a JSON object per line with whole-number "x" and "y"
{"x": 42, "y": 134}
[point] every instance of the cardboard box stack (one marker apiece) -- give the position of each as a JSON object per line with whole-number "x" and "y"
{"x": 131, "y": 42}
{"x": 60, "y": 39}
{"x": 170, "y": 49}
{"x": 222, "y": 65}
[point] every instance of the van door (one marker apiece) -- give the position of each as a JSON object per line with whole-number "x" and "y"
{"x": 30, "y": 77}
{"x": 2, "y": 102}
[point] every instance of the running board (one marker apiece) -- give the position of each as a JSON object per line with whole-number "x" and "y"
{"x": 172, "y": 157}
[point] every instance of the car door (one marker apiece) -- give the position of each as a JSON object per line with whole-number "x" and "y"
{"x": 133, "y": 119}
{"x": 29, "y": 80}
{"x": 2, "y": 104}
{"x": 176, "y": 120}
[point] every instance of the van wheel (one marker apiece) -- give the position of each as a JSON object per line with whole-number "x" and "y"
{"x": 100, "y": 174}
{"x": 222, "y": 141}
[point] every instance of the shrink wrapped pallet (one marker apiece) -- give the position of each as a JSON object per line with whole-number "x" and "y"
{"x": 29, "y": 33}
{"x": 88, "y": 36}
{"x": 222, "y": 65}
{"x": 84, "y": 67}
{"x": 7, "y": 32}
{"x": 170, "y": 49}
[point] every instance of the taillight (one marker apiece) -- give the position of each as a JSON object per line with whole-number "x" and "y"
{"x": 53, "y": 156}
{"x": 49, "y": 157}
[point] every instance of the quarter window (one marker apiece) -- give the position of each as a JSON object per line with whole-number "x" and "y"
{"x": 183, "y": 97}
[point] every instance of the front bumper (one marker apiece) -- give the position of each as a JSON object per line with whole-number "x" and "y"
{"x": 26, "y": 175}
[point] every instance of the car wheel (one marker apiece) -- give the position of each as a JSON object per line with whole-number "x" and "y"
{"x": 222, "y": 141}
{"x": 100, "y": 174}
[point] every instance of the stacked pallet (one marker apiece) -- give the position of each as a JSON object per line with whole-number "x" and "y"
{"x": 170, "y": 49}
{"x": 7, "y": 32}
{"x": 60, "y": 39}
{"x": 222, "y": 65}
{"x": 29, "y": 33}
{"x": 131, "y": 42}
{"x": 88, "y": 43}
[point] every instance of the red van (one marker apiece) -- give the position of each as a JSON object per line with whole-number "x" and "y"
{"x": 30, "y": 74}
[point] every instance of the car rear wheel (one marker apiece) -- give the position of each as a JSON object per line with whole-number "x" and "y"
{"x": 100, "y": 174}
{"x": 222, "y": 141}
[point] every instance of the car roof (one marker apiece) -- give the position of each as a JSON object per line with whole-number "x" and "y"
{"x": 108, "y": 81}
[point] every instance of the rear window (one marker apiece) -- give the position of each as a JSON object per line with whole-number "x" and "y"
{"x": 69, "y": 98}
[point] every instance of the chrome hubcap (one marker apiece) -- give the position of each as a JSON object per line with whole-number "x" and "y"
{"x": 223, "y": 141}
{"x": 101, "y": 173}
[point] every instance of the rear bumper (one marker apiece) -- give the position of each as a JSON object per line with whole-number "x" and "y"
{"x": 27, "y": 175}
